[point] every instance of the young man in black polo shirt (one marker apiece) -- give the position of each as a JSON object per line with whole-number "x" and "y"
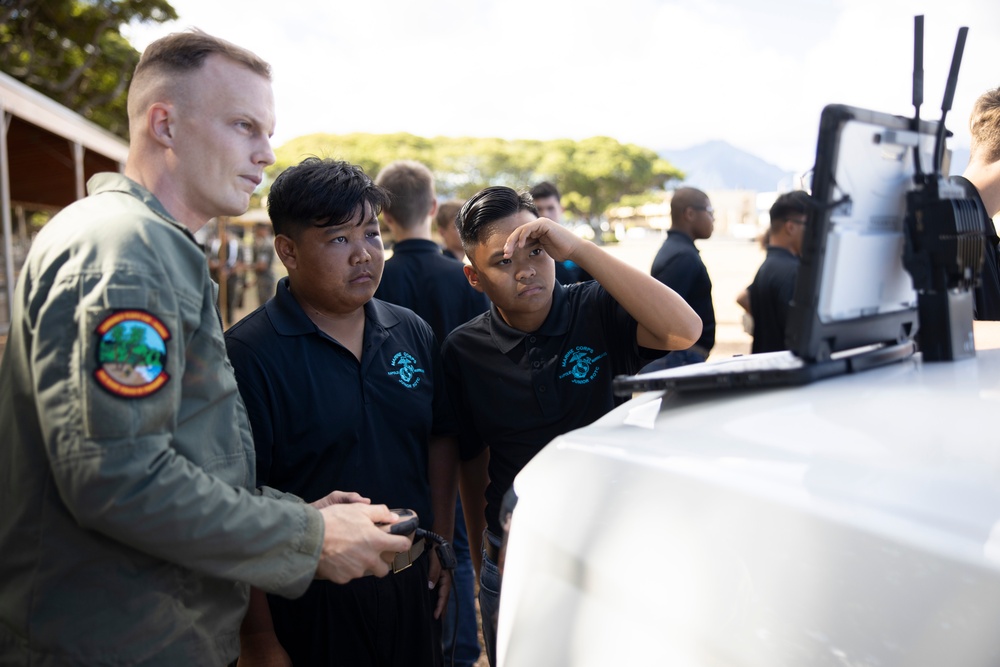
{"x": 769, "y": 296}
{"x": 344, "y": 391}
{"x": 444, "y": 221}
{"x": 432, "y": 284}
{"x": 418, "y": 276}
{"x": 541, "y": 361}
{"x": 549, "y": 204}
{"x": 679, "y": 266}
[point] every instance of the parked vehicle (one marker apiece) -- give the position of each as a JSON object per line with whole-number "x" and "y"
{"x": 853, "y": 521}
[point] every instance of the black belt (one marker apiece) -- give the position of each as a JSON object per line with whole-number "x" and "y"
{"x": 492, "y": 550}
{"x": 405, "y": 559}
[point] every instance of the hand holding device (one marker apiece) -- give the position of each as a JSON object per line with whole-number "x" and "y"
{"x": 405, "y": 525}
{"x": 355, "y": 543}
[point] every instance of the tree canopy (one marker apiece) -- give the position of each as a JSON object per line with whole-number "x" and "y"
{"x": 73, "y": 51}
{"x": 591, "y": 174}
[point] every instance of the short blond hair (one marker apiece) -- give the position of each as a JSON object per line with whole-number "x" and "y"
{"x": 411, "y": 185}
{"x": 169, "y": 59}
{"x": 984, "y": 126}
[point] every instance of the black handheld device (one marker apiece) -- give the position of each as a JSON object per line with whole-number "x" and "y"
{"x": 407, "y": 523}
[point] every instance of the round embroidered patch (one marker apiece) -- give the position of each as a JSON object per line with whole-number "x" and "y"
{"x": 131, "y": 354}
{"x": 407, "y": 370}
{"x": 582, "y": 364}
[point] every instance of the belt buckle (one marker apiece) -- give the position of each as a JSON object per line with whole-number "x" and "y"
{"x": 405, "y": 559}
{"x": 401, "y": 561}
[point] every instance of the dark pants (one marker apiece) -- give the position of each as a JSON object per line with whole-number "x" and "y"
{"x": 368, "y": 622}
{"x": 460, "y": 634}
{"x": 489, "y": 599}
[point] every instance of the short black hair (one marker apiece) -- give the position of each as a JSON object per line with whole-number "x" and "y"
{"x": 797, "y": 202}
{"x": 545, "y": 189}
{"x": 321, "y": 193}
{"x": 486, "y": 207}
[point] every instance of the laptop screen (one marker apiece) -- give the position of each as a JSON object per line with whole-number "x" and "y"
{"x": 852, "y": 289}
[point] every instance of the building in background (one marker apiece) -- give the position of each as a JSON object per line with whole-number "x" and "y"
{"x": 47, "y": 153}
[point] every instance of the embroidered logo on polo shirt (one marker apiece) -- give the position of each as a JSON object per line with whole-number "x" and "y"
{"x": 131, "y": 354}
{"x": 406, "y": 369}
{"x": 582, "y": 364}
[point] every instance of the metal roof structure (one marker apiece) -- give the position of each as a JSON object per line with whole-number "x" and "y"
{"x": 47, "y": 153}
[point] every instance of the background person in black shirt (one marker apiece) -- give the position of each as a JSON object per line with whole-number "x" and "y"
{"x": 982, "y": 179}
{"x": 769, "y": 296}
{"x": 678, "y": 265}
{"x": 432, "y": 284}
{"x": 549, "y": 205}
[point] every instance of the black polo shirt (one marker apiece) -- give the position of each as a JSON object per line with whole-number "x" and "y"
{"x": 514, "y": 391}
{"x": 322, "y": 420}
{"x": 770, "y": 298}
{"x": 568, "y": 272}
{"x": 986, "y": 298}
{"x": 678, "y": 265}
{"x": 431, "y": 284}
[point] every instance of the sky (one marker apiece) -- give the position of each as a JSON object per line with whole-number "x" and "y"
{"x": 664, "y": 74}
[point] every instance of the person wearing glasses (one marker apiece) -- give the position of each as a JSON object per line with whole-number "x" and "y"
{"x": 678, "y": 265}
{"x": 768, "y": 297}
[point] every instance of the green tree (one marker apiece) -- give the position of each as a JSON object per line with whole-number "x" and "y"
{"x": 597, "y": 172}
{"x": 73, "y": 51}
{"x": 592, "y": 174}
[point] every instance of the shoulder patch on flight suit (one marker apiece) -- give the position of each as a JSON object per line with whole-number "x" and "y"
{"x": 131, "y": 354}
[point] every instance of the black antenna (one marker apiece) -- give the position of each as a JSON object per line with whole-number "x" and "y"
{"x": 949, "y": 95}
{"x": 918, "y": 83}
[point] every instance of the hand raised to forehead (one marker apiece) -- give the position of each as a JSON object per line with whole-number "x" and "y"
{"x": 557, "y": 241}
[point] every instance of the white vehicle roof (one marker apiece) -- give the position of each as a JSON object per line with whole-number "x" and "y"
{"x": 853, "y": 521}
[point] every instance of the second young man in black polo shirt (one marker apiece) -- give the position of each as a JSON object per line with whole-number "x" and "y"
{"x": 678, "y": 265}
{"x": 343, "y": 391}
{"x": 768, "y": 298}
{"x": 432, "y": 284}
{"x": 541, "y": 361}
{"x": 418, "y": 276}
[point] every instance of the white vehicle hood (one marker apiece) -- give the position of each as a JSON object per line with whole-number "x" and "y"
{"x": 853, "y": 521}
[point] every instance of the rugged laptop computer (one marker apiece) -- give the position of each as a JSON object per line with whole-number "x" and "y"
{"x": 854, "y": 306}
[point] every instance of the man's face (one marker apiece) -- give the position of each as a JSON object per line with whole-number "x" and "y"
{"x": 704, "y": 221}
{"x": 452, "y": 239}
{"x": 549, "y": 207}
{"x": 337, "y": 269}
{"x": 221, "y": 132}
{"x": 520, "y": 286}
{"x": 796, "y": 226}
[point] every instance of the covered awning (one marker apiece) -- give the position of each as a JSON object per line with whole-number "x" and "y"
{"x": 47, "y": 153}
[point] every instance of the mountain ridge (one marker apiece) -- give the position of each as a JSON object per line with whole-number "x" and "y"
{"x": 718, "y": 165}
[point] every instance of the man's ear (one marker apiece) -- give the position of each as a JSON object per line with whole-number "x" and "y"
{"x": 434, "y": 208}
{"x": 285, "y": 248}
{"x": 160, "y": 120}
{"x": 389, "y": 221}
{"x": 472, "y": 276}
